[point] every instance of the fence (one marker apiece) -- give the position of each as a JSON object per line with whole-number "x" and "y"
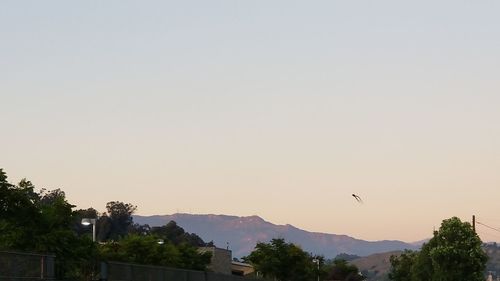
{"x": 116, "y": 271}
{"x": 15, "y": 266}
{"x": 76, "y": 270}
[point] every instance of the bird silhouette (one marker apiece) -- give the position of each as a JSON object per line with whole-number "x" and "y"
{"x": 357, "y": 198}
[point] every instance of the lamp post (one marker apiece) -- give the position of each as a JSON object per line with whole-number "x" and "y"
{"x": 316, "y": 261}
{"x": 87, "y": 221}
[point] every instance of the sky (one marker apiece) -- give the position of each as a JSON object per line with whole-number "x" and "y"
{"x": 280, "y": 109}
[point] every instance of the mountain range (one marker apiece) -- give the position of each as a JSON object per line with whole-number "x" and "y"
{"x": 241, "y": 234}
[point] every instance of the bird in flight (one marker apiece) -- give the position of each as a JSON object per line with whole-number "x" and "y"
{"x": 357, "y": 198}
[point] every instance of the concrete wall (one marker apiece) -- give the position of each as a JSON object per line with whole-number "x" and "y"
{"x": 221, "y": 259}
{"x": 133, "y": 272}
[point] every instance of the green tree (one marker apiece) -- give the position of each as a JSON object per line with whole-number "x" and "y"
{"x": 139, "y": 229}
{"x": 80, "y": 229}
{"x": 191, "y": 258}
{"x": 423, "y": 268}
{"x": 40, "y": 222}
{"x": 176, "y": 234}
{"x": 342, "y": 270}
{"x": 145, "y": 249}
{"x": 454, "y": 253}
{"x": 104, "y": 227}
{"x": 458, "y": 254}
{"x": 282, "y": 261}
{"x": 117, "y": 222}
{"x": 402, "y": 266}
{"x": 140, "y": 249}
{"x": 19, "y": 214}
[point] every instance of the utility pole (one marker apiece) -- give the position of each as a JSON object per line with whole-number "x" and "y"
{"x": 474, "y": 223}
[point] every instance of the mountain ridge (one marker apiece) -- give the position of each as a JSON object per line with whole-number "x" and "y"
{"x": 241, "y": 234}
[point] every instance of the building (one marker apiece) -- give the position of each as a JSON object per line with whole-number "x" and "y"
{"x": 222, "y": 262}
{"x": 221, "y": 259}
{"x": 242, "y": 269}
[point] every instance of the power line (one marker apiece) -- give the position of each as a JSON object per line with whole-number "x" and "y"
{"x": 486, "y": 232}
{"x": 490, "y": 227}
{"x": 490, "y": 237}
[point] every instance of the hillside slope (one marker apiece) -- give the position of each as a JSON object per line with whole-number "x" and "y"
{"x": 376, "y": 267}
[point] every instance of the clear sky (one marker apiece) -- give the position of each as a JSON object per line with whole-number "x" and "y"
{"x": 280, "y": 109}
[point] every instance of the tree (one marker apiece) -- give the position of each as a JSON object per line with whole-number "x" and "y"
{"x": 176, "y": 235}
{"x": 80, "y": 229}
{"x": 140, "y": 249}
{"x": 423, "y": 268}
{"x": 402, "y": 266}
{"x": 191, "y": 258}
{"x": 116, "y": 223}
{"x": 342, "y": 270}
{"x": 282, "y": 261}
{"x": 139, "y": 229}
{"x": 145, "y": 249}
{"x": 458, "y": 254}
{"x": 454, "y": 253}
{"x": 40, "y": 222}
{"x": 19, "y": 214}
{"x": 45, "y": 222}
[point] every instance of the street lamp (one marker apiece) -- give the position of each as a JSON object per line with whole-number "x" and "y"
{"x": 87, "y": 221}
{"x": 317, "y": 262}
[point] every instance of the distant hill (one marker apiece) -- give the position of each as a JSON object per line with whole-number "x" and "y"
{"x": 376, "y": 267}
{"x": 241, "y": 234}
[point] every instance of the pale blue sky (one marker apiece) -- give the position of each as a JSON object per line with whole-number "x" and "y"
{"x": 276, "y": 108}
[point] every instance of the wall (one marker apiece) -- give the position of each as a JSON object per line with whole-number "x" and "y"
{"x": 116, "y": 271}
